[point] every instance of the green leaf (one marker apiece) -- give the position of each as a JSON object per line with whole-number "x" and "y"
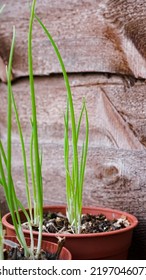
{"x": 74, "y": 189}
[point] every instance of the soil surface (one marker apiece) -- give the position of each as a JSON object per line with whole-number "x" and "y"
{"x": 17, "y": 252}
{"x": 58, "y": 223}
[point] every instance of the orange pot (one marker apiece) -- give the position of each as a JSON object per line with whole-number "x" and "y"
{"x": 107, "y": 245}
{"x": 47, "y": 246}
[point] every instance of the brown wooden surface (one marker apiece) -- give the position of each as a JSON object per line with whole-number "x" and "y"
{"x": 84, "y": 32}
{"x": 116, "y": 165}
{"x": 116, "y": 111}
{"x": 93, "y": 36}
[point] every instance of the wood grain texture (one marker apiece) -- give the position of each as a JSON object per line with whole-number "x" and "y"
{"x": 129, "y": 17}
{"x": 102, "y": 37}
{"x": 113, "y": 179}
{"x": 115, "y": 174}
{"x": 87, "y": 38}
{"x": 116, "y": 113}
{"x": 3, "y": 71}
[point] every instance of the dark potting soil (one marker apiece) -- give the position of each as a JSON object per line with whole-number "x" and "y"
{"x": 58, "y": 223}
{"x": 17, "y": 253}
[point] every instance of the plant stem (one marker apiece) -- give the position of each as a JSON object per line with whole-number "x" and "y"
{"x": 35, "y": 129}
{"x": 72, "y": 114}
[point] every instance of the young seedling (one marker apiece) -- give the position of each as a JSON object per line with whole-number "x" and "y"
{"x": 6, "y": 178}
{"x": 75, "y": 174}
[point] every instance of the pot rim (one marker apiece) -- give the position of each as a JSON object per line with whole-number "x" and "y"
{"x": 133, "y": 220}
{"x": 46, "y": 242}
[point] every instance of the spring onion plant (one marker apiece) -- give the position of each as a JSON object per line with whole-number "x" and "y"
{"x": 75, "y": 172}
{"x": 6, "y": 178}
{"x": 4, "y": 241}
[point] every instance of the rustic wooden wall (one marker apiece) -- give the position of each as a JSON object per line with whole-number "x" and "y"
{"x": 108, "y": 68}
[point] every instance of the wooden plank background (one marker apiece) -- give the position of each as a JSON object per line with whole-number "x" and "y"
{"x": 84, "y": 32}
{"x": 107, "y": 68}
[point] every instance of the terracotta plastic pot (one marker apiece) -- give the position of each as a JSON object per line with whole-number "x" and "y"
{"x": 107, "y": 245}
{"x": 47, "y": 246}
